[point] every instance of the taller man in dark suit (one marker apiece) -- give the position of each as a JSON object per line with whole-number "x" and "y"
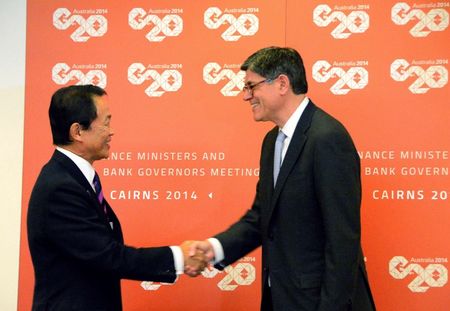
{"x": 75, "y": 238}
{"x": 307, "y": 217}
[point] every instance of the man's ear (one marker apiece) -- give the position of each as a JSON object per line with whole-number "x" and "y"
{"x": 75, "y": 132}
{"x": 285, "y": 84}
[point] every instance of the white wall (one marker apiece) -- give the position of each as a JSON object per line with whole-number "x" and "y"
{"x": 12, "y": 88}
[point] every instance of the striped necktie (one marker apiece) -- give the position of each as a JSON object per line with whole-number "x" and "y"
{"x": 100, "y": 197}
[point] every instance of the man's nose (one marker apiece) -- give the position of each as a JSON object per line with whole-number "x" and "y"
{"x": 247, "y": 95}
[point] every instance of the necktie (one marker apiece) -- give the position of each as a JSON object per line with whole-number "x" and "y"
{"x": 277, "y": 155}
{"x": 100, "y": 197}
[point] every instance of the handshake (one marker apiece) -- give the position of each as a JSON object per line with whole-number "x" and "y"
{"x": 197, "y": 256}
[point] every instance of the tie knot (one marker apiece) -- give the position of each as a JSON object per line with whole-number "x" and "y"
{"x": 281, "y": 136}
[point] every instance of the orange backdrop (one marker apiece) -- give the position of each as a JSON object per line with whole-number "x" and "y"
{"x": 184, "y": 161}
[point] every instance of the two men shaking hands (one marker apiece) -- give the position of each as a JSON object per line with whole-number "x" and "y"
{"x": 197, "y": 256}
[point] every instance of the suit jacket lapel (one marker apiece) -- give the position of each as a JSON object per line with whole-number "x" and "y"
{"x": 75, "y": 172}
{"x": 293, "y": 153}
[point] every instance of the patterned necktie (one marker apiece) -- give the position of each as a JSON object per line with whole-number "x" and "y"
{"x": 99, "y": 192}
{"x": 277, "y": 156}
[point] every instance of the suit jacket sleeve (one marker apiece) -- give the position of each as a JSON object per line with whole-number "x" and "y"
{"x": 245, "y": 235}
{"x": 75, "y": 228}
{"x": 242, "y": 237}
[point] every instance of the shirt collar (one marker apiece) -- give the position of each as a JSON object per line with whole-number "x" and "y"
{"x": 289, "y": 128}
{"x": 85, "y": 167}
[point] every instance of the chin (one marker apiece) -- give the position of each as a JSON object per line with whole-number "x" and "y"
{"x": 104, "y": 155}
{"x": 257, "y": 119}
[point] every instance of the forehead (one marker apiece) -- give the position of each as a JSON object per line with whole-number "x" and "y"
{"x": 252, "y": 77}
{"x": 101, "y": 103}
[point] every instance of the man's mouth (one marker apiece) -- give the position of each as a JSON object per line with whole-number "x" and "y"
{"x": 254, "y": 105}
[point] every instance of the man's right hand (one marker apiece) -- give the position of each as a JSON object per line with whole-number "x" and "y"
{"x": 196, "y": 257}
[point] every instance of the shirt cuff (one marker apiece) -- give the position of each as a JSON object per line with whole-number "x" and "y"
{"x": 218, "y": 250}
{"x": 178, "y": 259}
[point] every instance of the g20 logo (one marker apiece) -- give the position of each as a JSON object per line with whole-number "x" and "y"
{"x": 170, "y": 25}
{"x": 167, "y": 80}
{"x": 240, "y": 274}
{"x": 426, "y": 22}
{"x": 354, "y": 78}
{"x": 94, "y": 26}
{"x": 213, "y": 74}
{"x": 63, "y": 74}
{"x": 244, "y": 25}
{"x": 433, "y": 275}
{"x": 355, "y": 22}
{"x": 433, "y": 77}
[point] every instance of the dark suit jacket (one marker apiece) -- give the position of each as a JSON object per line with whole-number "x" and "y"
{"x": 309, "y": 224}
{"x": 78, "y": 259}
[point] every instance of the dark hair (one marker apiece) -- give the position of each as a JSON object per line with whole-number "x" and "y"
{"x": 272, "y": 61}
{"x": 72, "y": 104}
